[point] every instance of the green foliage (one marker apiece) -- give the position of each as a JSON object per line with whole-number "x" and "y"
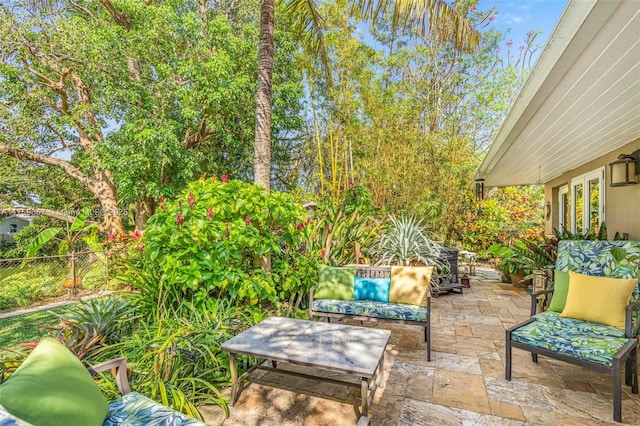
{"x": 598, "y": 233}
{"x": 537, "y": 254}
{"x": 24, "y": 286}
{"x": 87, "y": 326}
{"x": 505, "y": 215}
{"x": 177, "y": 359}
{"x": 405, "y": 241}
{"x": 170, "y": 94}
{"x": 211, "y": 241}
{"x": 69, "y": 236}
{"x": 338, "y": 238}
{"x": 408, "y": 118}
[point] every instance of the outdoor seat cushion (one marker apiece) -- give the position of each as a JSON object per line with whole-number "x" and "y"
{"x": 374, "y": 309}
{"x": 134, "y": 409}
{"x": 581, "y": 339}
{"x": 560, "y": 324}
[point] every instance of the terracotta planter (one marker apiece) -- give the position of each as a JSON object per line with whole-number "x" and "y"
{"x": 517, "y": 277}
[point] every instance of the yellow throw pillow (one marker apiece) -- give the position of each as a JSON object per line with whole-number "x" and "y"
{"x": 410, "y": 284}
{"x": 598, "y": 299}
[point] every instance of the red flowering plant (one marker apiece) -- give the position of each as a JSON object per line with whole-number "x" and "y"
{"x": 224, "y": 239}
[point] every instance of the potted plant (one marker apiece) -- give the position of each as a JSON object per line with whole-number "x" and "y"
{"x": 514, "y": 267}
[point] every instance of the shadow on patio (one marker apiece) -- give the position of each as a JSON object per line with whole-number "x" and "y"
{"x": 464, "y": 384}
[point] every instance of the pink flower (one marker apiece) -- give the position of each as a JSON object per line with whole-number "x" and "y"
{"x": 498, "y": 50}
{"x": 323, "y": 252}
{"x": 326, "y": 214}
{"x": 492, "y": 17}
{"x": 247, "y": 220}
{"x": 191, "y": 200}
{"x": 136, "y": 235}
{"x": 300, "y": 225}
{"x": 224, "y": 179}
{"x": 179, "y": 219}
{"x": 521, "y": 47}
{"x": 509, "y": 43}
{"x": 308, "y": 219}
{"x": 210, "y": 213}
{"x": 161, "y": 199}
{"x": 141, "y": 246}
{"x": 330, "y": 226}
{"x": 111, "y": 237}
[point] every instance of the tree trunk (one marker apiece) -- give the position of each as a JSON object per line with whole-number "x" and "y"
{"x": 105, "y": 192}
{"x": 262, "y": 147}
{"x": 143, "y": 211}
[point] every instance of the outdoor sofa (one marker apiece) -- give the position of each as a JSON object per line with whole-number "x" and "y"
{"x": 592, "y": 320}
{"x": 390, "y": 294}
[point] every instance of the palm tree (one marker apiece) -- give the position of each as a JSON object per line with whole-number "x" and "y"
{"x": 434, "y": 16}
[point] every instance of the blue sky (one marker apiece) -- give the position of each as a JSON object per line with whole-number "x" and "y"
{"x": 521, "y": 16}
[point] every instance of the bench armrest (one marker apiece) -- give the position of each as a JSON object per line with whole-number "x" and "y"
{"x": 120, "y": 373}
{"x": 628, "y": 324}
{"x": 534, "y": 298}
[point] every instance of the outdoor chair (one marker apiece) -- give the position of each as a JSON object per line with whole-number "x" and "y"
{"x": 53, "y": 387}
{"x": 592, "y": 320}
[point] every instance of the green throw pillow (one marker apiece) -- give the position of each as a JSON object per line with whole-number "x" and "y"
{"x": 560, "y": 290}
{"x": 335, "y": 283}
{"x": 53, "y": 388}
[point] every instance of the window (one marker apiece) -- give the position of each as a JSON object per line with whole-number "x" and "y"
{"x": 13, "y": 228}
{"x": 587, "y": 211}
{"x": 564, "y": 203}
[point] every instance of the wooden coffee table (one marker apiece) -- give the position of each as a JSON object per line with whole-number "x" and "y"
{"x": 352, "y": 351}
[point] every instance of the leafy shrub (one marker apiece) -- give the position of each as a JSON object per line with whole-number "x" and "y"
{"x": 338, "y": 238}
{"x": 22, "y": 287}
{"x": 178, "y": 360}
{"x": 213, "y": 241}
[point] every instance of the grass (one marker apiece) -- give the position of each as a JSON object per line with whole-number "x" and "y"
{"x": 24, "y": 328}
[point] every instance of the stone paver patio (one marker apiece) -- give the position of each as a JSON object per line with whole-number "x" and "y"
{"x": 462, "y": 385}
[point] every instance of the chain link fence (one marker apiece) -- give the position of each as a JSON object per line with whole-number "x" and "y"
{"x": 25, "y": 281}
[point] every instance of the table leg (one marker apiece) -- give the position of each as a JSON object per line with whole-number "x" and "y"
{"x": 381, "y": 371}
{"x": 364, "y": 387}
{"x": 234, "y": 379}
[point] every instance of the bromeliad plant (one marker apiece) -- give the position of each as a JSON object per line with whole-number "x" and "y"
{"x": 90, "y": 325}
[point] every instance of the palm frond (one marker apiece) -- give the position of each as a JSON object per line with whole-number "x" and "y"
{"x": 308, "y": 25}
{"x": 425, "y": 16}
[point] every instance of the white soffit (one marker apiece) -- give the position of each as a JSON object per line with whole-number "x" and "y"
{"x": 581, "y": 101}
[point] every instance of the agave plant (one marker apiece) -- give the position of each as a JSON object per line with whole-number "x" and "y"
{"x": 405, "y": 241}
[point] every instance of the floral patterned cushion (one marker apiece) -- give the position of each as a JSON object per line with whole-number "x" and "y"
{"x": 371, "y": 308}
{"x": 559, "y": 324}
{"x": 597, "y": 258}
{"x": 134, "y": 409}
{"x": 583, "y": 340}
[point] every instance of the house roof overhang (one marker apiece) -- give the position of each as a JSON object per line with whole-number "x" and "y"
{"x": 581, "y": 100}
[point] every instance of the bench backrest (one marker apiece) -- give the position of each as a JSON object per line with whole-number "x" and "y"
{"x": 617, "y": 259}
{"x": 373, "y": 271}
{"x": 593, "y": 257}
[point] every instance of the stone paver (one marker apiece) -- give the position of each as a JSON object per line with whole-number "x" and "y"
{"x": 462, "y": 385}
